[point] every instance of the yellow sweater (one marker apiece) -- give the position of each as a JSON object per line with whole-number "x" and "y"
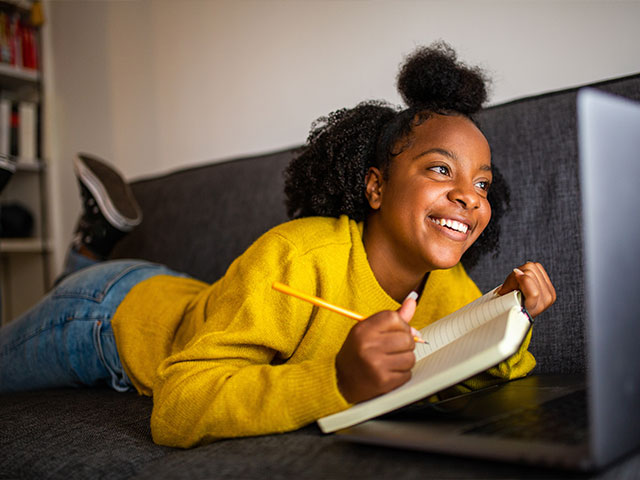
{"x": 237, "y": 358}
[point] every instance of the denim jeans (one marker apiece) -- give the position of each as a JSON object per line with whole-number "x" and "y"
{"x": 66, "y": 339}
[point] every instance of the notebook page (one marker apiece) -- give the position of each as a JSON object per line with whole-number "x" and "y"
{"x": 481, "y": 339}
{"x": 472, "y": 315}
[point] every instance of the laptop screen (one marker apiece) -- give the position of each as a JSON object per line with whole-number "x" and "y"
{"x": 609, "y": 146}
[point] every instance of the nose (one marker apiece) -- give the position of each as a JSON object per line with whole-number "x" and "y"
{"x": 465, "y": 196}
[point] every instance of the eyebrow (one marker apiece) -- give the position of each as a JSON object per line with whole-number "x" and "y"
{"x": 448, "y": 154}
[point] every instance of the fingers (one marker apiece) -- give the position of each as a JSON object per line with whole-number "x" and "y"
{"x": 388, "y": 321}
{"x": 547, "y": 280}
{"x": 534, "y": 283}
{"x": 406, "y": 312}
{"x": 377, "y": 355}
{"x": 386, "y": 332}
{"x": 537, "y": 288}
{"x": 366, "y": 373}
{"x": 401, "y": 362}
{"x": 408, "y": 307}
{"x": 510, "y": 284}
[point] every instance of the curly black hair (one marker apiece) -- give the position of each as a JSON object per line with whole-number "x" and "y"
{"x": 327, "y": 175}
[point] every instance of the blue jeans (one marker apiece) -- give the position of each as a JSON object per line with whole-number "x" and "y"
{"x": 66, "y": 339}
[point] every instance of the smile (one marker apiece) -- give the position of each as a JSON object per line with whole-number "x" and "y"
{"x": 452, "y": 224}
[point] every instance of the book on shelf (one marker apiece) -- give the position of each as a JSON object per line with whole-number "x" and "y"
{"x": 27, "y": 136}
{"x": 469, "y": 341}
{"x": 5, "y": 126}
{"x": 19, "y": 130}
{"x": 18, "y": 42}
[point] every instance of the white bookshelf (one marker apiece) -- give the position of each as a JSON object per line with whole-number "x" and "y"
{"x": 24, "y": 262}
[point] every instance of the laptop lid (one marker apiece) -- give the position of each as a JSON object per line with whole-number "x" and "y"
{"x": 609, "y": 146}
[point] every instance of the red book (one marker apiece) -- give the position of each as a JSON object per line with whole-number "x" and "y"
{"x": 26, "y": 46}
{"x": 13, "y": 39}
{"x": 13, "y": 133}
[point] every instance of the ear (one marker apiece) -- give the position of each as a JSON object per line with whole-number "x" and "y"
{"x": 374, "y": 185}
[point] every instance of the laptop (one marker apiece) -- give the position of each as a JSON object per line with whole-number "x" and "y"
{"x": 577, "y": 423}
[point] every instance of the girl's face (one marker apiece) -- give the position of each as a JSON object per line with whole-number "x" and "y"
{"x": 433, "y": 204}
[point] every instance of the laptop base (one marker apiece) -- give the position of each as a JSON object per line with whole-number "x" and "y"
{"x": 452, "y": 426}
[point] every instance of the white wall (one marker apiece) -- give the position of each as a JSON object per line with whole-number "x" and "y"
{"x": 155, "y": 85}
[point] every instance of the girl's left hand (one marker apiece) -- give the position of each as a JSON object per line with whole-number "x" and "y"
{"x": 534, "y": 283}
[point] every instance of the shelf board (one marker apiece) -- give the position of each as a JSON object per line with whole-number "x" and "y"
{"x": 11, "y": 75}
{"x": 23, "y": 4}
{"x": 30, "y": 166}
{"x": 23, "y": 245}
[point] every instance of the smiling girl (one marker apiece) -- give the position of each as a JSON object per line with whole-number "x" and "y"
{"x": 385, "y": 202}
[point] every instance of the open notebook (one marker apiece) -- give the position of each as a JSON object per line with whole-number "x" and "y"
{"x": 469, "y": 341}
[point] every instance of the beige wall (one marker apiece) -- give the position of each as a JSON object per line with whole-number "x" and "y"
{"x": 155, "y": 85}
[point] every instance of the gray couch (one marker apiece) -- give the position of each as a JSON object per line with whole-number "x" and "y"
{"x": 198, "y": 220}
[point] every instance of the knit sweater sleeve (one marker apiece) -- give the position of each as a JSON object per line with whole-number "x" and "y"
{"x": 234, "y": 378}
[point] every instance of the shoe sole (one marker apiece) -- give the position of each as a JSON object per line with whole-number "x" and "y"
{"x": 6, "y": 164}
{"x": 113, "y": 196}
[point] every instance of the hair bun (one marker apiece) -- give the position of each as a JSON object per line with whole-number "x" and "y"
{"x": 431, "y": 77}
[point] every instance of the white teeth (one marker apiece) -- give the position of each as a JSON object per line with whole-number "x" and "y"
{"x": 452, "y": 224}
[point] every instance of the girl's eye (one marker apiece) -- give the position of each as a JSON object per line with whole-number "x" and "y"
{"x": 440, "y": 169}
{"x": 483, "y": 185}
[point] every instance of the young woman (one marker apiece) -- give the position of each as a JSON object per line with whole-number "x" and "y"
{"x": 386, "y": 203}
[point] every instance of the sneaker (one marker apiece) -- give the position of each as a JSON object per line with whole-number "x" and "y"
{"x": 7, "y": 169}
{"x": 109, "y": 208}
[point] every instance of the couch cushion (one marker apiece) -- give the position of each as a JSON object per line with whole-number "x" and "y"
{"x": 75, "y": 433}
{"x": 70, "y": 434}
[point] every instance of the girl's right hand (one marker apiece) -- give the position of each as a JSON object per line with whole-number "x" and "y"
{"x": 377, "y": 355}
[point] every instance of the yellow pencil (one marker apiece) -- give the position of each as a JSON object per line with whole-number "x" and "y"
{"x": 281, "y": 287}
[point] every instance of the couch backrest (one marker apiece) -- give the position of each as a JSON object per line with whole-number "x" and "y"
{"x": 198, "y": 220}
